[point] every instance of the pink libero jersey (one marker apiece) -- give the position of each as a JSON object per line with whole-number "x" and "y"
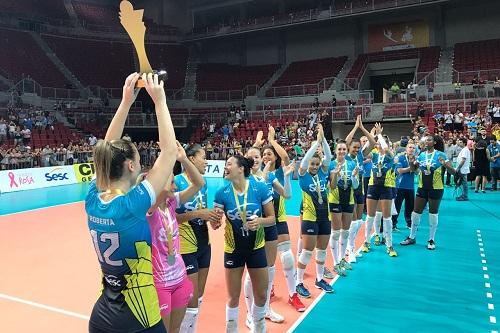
{"x": 165, "y": 274}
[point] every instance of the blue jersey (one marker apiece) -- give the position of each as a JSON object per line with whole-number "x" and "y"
{"x": 430, "y": 177}
{"x": 367, "y": 168}
{"x": 382, "y": 172}
{"x": 193, "y": 233}
{"x": 279, "y": 201}
{"x": 343, "y": 193}
{"x": 122, "y": 241}
{"x": 237, "y": 238}
{"x": 494, "y": 150}
{"x": 271, "y": 178}
{"x": 314, "y": 188}
{"x": 405, "y": 180}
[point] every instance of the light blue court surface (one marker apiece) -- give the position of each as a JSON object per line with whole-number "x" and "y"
{"x": 445, "y": 290}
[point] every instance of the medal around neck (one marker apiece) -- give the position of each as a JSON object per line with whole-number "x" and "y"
{"x": 131, "y": 20}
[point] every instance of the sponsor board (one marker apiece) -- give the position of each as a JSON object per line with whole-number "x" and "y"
{"x": 215, "y": 169}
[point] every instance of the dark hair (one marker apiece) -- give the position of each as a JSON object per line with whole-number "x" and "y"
{"x": 277, "y": 164}
{"x": 192, "y": 150}
{"x": 245, "y": 162}
{"x": 438, "y": 142}
{"x": 354, "y": 140}
{"x": 108, "y": 160}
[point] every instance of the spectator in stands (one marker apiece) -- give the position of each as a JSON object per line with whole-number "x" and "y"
{"x": 403, "y": 92}
{"x": 394, "y": 91}
{"x": 458, "y": 121}
{"x": 412, "y": 88}
{"x": 496, "y": 114}
{"x": 92, "y": 140}
{"x": 127, "y": 137}
{"x": 448, "y": 121}
{"x": 316, "y": 104}
{"x": 421, "y": 110}
{"x": 496, "y": 87}
{"x": 472, "y": 127}
{"x": 334, "y": 103}
{"x": 3, "y": 131}
{"x": 458, "y": 89}
{"x": 474, "y": 107}
{"x": 430, "y": 91}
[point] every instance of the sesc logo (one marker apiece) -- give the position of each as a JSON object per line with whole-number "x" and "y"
{"x": 53, "y": 175}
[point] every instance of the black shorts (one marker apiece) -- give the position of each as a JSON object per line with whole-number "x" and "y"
{"x": 359, "y": 198}
{"x": 378, "y": 192}
{"x": 321, "y": 227}
{"x": 271, "y": 233}
{"x": 197, "y": 260}
{"x": 282, "y": 228}
{"x": 341, "y": 208}
{"x": 158, "y": 328}
{"x": 252, "y": 259}
{"x": 430, "y": 194}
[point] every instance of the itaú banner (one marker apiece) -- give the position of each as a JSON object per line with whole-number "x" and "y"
{"x": 215, "y": 169}
{"x": 29, "y": 179}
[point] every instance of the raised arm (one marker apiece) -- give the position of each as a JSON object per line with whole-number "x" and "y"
{"x": 349, "y": 136}
{"x": 326, "y": 151}
{"x": 310, "y": 153}
{"x": 259, "y": 141}
{"x": 164, "y": 164}
{"x": 117, "y": 124}
{"x": 280, "y": 150}
{"x": 369, "y": 136}
{"x": 197, "y": 181}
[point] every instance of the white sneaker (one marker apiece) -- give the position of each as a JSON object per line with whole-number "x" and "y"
{"x": 259, "y": 326}
{"x": 231, "y": 326}
{"x": 274, "y": 317}
{"x": 352, "y": 258}
{"x": 248, "y": 321}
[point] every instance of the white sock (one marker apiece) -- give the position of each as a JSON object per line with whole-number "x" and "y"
{"x": 300, "y": 275}
{"x": 232, "y": 315}
{"x": 388, "y": 231}
{"x": 188, "y": 324}
{"x": 248, "y": 291}
{"x": 378, "y": 222}
{"x": 258, "y": 312}
{"x": 415, "y": 222}
{"x": 271, "y": 271}
{"x": 352, "y": 234}
{"x": 320, "y": 269}
{"x": 368, "y": 230}
{"x": 433, "y": 224}
{"x": 334, "y": 246}
{"x": 344, "y": 235}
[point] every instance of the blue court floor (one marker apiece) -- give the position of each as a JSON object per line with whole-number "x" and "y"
{"x": 451, "y": 289}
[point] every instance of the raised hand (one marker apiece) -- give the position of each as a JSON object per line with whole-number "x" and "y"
{"x": 271, "y": 134}
{"x": 337, "y": 169}
{"x": 129, "y": 91}
{"x": 442, "y": 160}
{"x": 355, "y": 172}
{"x": 320, "y": 133}
{"x": 358, "y": 122}
{"x": 259, "y": 140}
{"x": 378, "y": 128}
{"x": 181, "y": 153}
{"x": 154, "y": 88}
{"x": 288, "y": 169}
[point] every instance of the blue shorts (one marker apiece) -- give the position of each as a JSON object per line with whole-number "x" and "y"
{"x": 199, "y": 259}
{"x": 341, "y": 208}
{"x": 252, "y": 259}
{"x": 378, "y": 192}
{"x": 430, "y": 194}
{"x": 282, "y": 228}
{"x": 271, "y": 233}
{"x": 359, "y": 197}
{"x": 322, "y": 227}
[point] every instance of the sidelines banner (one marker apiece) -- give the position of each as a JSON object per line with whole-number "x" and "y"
{"x": 397, "y": 36}
{"x": 215, "y": 169}
{"x": 29, "y": 179}
{"x": 84, "y": 172}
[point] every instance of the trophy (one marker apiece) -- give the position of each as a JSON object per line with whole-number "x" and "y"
{"x": 131, "y": 20}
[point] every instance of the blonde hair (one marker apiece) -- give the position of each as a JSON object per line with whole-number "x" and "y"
{"x": 108, "y": 160}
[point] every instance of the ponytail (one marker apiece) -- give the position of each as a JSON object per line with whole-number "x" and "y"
{"x": 109, "y": 157}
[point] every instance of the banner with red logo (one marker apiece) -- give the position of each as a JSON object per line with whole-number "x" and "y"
{"x": 397, "y": 36}
{"x": 29, "y": 179}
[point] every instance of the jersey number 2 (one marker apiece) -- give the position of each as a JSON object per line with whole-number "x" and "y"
{"x": 115, "y": 243}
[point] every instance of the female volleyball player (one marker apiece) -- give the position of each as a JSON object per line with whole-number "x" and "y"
{"x": 248, "y": 207}
{"x": 117, "y": 218}
{"x": 381, "y": 191}
{"x": 271, "y": 233}
{"x": 316, "y": 226}
{"x": 430, "y": 187}
{"x": 193, "y": 216}
{"x": 358, "y": 154}
{"x": 278, "y": 158}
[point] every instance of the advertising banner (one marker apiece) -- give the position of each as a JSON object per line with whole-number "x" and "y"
{"x": 397, "y": 36}
{"x": 29, "y": 179}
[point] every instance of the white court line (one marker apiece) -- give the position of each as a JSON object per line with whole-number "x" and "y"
{"x": 493, "y": 319}
{"x": 45, "y": 307}
{"x": 479, "y": 239}
{"x": 35, "y": 209}
{"x": 485, "y": 268}
{"x": 482, "y": 255}
{"x": 481, "y": 244}
{"x": 486, "y": 276}
{"x": 491, "y": 306}
{"x": 483, "y": 261}
{"x": 481, "y": 249}
{"x": 487, "y": 285}
{"x": 489, "y": 295}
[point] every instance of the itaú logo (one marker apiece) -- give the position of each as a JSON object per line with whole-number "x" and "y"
{"x": 53, "y": 175}
{"x": 234, "y": 214}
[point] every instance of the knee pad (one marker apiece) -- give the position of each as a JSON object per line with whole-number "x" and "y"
{"x": 305, "y": 257}
{"x": 284, "y": 246}
{"x": 433, "y": 220}
{"x": 344, "y": 234}
{"x": 287, "y": 260}
{"x": 320, "y": 255}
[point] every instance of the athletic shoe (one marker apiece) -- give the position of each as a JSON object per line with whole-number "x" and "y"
{"x": 476, "y": 191}
{"x": 408, "y": 241}
{"x": 327, "y": 274}
{"x": 353, "y": 256}
{"x": 339, "y": 270}
{"x": 366, "y": 247}
{"x": 382, "y": 241}
{"x": 483, "y": 191}
{"x": 271, "y": 295}
{"x": 376, "y": 240}
{"x": 296, "y": 303}
{"x": 274, "y": 317}
{"x": 431, "y": 245}
{"x": 259, "y": 327}
{"x": 249, "y": 321}
{"x": 232, "y": 326}
{"x": 302, "y": 290}
{"x": 392, "y": 252}
{"x": 324, "y": 285}
{"x": 344, "y": 264}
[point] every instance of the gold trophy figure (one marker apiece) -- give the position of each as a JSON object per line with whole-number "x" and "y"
{"x": 131, "y": 20}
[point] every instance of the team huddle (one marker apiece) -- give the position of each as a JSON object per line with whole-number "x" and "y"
{"x": 150, "y": 230}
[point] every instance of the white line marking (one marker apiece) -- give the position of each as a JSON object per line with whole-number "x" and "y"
{"x": 486, "y": 276}
{"x": 479, "y": 239}
{"x": 478, "y": 230}
{"x": 482, "y": 255}
{"x": 35, "y": 209}
{"x": 45, "y": 307}
{"x": 485, "y": 268}
{"x": 493, "y": 320}
{"x": 489, "y": 295}
{"x": 491, "y": 306}
{"x": 494, "y": 331}
{"x": 481, "y": 249}
{"x": 481, "y": 244}
{"x": 483, "y": 261}
{"x": 487, "y": 285}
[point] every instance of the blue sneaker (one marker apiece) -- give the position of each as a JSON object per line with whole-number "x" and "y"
{"x": 302, "y": 290}
{"x": 324, "y": 285}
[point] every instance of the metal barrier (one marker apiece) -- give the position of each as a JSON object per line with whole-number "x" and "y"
{"x": 227, "y": 95}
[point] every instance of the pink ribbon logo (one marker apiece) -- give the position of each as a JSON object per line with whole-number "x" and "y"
{"x": 12, "y": 178}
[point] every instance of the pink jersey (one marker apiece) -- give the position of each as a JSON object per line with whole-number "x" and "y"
{"x": 166, "y": 271}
